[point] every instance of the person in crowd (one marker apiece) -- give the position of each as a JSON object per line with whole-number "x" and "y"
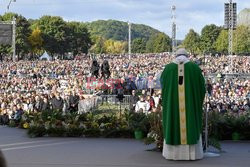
{"x": 82, "y": 105}
{"x": 57, "y": 102}
{"x": 28, "y": 82}
{"x": 143, "y": 105}
{"x": 156, "y": 98}
{"x": 4, "y": 118}
{"x": 66, "y": 103}
{"x": 133, "y": 100}
{"x": 18, "y": 112}
{"x": 45, "y": 104}
{"x": 73, "y": 101}
{"x": 151, "y": 102}
{"x": 144, "y": 94}
{"x": 209, "y": 88}
{"x": 28, "y": 106}
{"x": 38, "y": 104}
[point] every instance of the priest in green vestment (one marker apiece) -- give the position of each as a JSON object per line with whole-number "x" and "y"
{"x": 183, "y": 92}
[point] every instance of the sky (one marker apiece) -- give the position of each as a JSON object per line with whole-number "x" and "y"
{"x": 155, "y": 13}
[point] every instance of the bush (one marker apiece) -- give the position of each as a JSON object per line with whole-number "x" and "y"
{"x": 138, "y": 121}
{"x": 53, "y": 123}
{"x": 75, "y": 131}
{"x": 56, "y": 132}
{"x": 36, "y": 131}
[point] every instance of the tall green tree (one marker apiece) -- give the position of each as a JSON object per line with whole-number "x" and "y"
{"x": 192, "y": 42}
{"x": 5, "y": 50}
{"x": 158, "y": 43}
{"x": 98, "y": 46}
{"x": 53, "y": 30}
{"x": 241, "y": 44}
{"x": 209, "y": 34}
{"x": 221, "y": 43}
{"x": 139, "y": 45}
{"x": 78, "y": 38}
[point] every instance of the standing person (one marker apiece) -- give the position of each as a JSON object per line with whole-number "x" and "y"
{"x": 38, "y": 104}
{"x": 73, "y": 101}
{"x": 18, "y": 113}
{"x": 45, "y": 104}
{"x": 156, "y": 99}
{"x": 183, "y": 92}
{"x": 66, "y": 105}
{"x": 133, "y": 100}
{"x": 142, "y": 105}
{"x": 82, "y": 105}
{"x": 4, "y": 118}
{"x": 57, "y": 102}
{"x": 151, "y": 102}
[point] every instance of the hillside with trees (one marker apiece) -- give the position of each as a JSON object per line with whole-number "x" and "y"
{"x": 107, "y": 34}
{"x": 118, "y": 30}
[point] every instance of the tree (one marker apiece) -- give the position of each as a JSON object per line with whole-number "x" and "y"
{"x": 115, "y": 47}
{"x": 192, "y": 42}
{"x": 139, "y": 45}
{"x": 22, "y": 33}
{"x": 209, "y": 35}
{"x": 158, "y": 43}
{"x": 78, "y": 38}
{"x": 98, "y": 46}
{"x": 53, "y": 30}
{"x": 36, "y": 41}
{"x": 221, "y": 43}
{"x": 4, "y": 50}
{"x": 241, "y": 44}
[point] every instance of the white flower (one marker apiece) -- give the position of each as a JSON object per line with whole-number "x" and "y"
{"x": 82, "y": 125}
{"x": 102, "y": 125}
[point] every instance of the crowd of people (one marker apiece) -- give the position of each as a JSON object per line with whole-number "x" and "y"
{"x": 36, "y": 86}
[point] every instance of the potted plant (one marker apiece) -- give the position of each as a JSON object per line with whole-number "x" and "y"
{"x": 238, "y": 125}
{"x": 235, "y": 136}
{"x": 138, "y": 134}
{"x": 138, "y": 123}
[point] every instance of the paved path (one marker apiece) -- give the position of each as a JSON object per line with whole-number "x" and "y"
{"x": 22, "y": 151}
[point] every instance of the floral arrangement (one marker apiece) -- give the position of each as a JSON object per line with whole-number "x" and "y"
{"x": 55, "y": 124}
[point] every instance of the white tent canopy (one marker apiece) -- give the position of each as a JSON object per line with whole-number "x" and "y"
{"x": 45, "y": 56}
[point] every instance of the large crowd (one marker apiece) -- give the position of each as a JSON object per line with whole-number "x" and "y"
{"x": 36, "y": 86}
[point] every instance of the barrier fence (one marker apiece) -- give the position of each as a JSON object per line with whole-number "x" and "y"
{"x": 112, "y": 99}
{"x": 92, "y": 103}
{"x": 96, "y": 101}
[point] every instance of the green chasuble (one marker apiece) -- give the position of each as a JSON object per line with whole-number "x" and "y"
{"x": 183, "y": 92}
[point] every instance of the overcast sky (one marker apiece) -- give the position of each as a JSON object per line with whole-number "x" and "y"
{"x": 156, "y": 13}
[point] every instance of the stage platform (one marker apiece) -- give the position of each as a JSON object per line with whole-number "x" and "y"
{"x": 22, "y": 151}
